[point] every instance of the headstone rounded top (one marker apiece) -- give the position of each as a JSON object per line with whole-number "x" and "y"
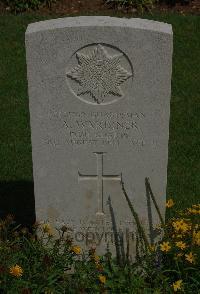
{"x": 106, "y": 21}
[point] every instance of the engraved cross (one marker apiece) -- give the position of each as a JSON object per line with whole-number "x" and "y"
{"x": 100, "y": 178}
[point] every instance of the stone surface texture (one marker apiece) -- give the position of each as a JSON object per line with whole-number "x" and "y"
{"x": 99, "y": 96}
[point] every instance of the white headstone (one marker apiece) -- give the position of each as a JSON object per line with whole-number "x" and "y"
{"x": 99, "y": 92}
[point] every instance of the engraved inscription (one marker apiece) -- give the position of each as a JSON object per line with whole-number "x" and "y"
{"x": 103, "y": 129}
{"x": 100, "y": 178}
{"x": 99, "y": 74}
{"x": 84, "y": 129}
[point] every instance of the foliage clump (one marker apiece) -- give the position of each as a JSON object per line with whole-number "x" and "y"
{"x": 43, "y": 262}
{"x": 139, "y": 5}
{"x": 143, "y": 5}
{"x": 24, "y": 5}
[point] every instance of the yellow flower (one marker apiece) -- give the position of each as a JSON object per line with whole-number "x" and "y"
{"x": 169, "y": 203}
{"x": 190, "y": 257}
{"x": 184, "y": 227}
{"x": 165, "y": 246}
{"x": 102, "y": 279}
{"x": 176, "y": 225}
{"x": 76, "y": 249}
{"x": 16, "y": 271}
{"x": 177, "y": 285}
{"x": 181, "y": 245}
{"x": 96, "y": 258}
{"x": 196, "y": 205}
{"x": 47, "y": 229}
{"x": 196, "y": 238}
{"x": 181, "y": 225}
{"x": 152, "y": 248}
{"x": 193, "y": 211}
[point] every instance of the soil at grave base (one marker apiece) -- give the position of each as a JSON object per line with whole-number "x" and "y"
{"x": 73, "y": 7}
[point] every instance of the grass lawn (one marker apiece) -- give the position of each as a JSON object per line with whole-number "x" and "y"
{"x": 184, "y": 143}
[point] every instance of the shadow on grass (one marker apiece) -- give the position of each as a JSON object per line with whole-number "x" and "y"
{"x": 17, "y": 198}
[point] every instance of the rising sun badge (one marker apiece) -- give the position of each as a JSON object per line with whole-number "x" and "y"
{"x": 99, "y": 74}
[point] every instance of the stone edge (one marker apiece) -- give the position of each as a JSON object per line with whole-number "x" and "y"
{"x": 92, "y": 21}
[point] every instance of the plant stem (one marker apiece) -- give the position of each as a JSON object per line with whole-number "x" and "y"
{"x": 154, "y": 201}
{"x": 135, "y": 215}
